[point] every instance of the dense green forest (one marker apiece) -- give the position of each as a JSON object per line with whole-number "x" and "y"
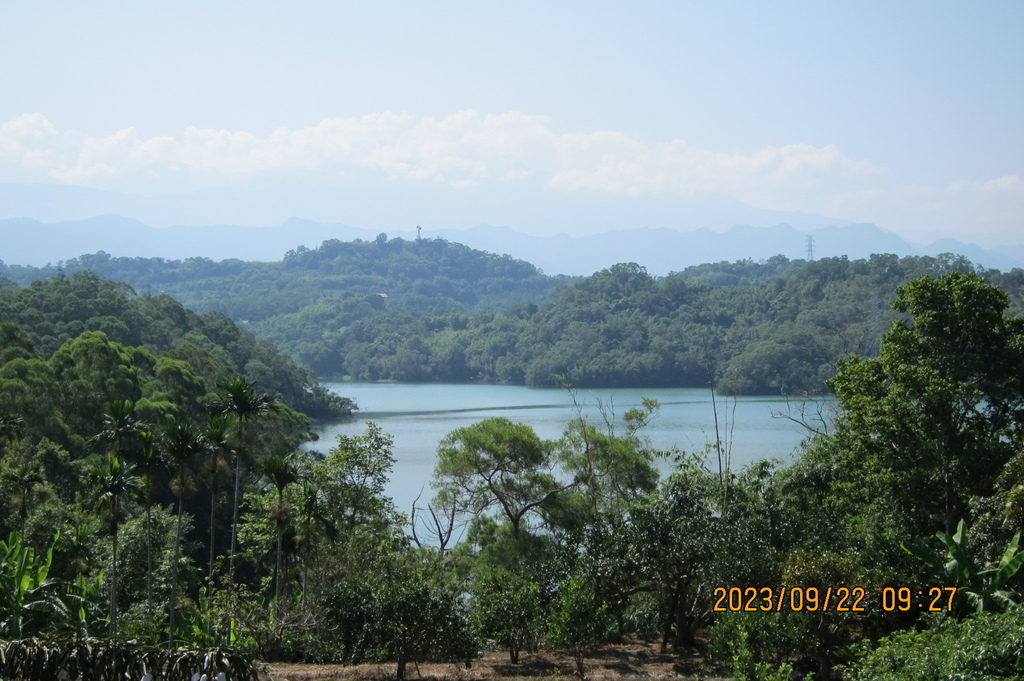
{"x": 153, "y": 491}
{"x": 430, "y": 310}
{"x": 168, "y": 353}
{"x": 423, "y": 274}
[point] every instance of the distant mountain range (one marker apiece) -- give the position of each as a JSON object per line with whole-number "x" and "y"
{"x": 665, "y": 250}
{"x": 25, "y": 241}
{"x": 530, "y": 206}
{"x": 661, "y": 233}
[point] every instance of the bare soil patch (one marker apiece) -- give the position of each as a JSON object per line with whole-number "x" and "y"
{"x": 632, "y": 659}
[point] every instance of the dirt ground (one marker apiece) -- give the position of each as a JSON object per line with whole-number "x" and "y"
{"x": 639, "y": 659}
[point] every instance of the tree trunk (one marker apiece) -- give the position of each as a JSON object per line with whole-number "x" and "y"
{"x": 685, "y": 621}
{"x": 669, "y": 618}
{"x": 213, "y": 526}
{"x": 277, "y": 577}
{"x": 113, "y": 578}
{"x": 149, "y": 561}
{"x": 951, "y": 501}
{"x": 174, "y": 574}
{"x": 234, "y": 523}
{"x": 580, "y": 656}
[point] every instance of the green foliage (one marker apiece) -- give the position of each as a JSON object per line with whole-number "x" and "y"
{"x": 982, "y": 589}
{"x": 415, "y": 620}
{"x": 495, "y": 464}
{"x": 984, "y": 647}
{"x": 507, "y": 609}
{"x": 31, "y": 602}
{"x": 931, "y": 422}
{"x": 759, "y": 645}
{"x": 350, "y": 481}
{"x": 672, "y": 535}
{"x": 611, "y": 469}
{"x": 580, "y": 620}
{"x": 399, "y": 615}
{"x": 571, "y": 542}
{"x": 62, "y": 346}
{"x": 831, "y": 632}
{"x": 772, "y": 327}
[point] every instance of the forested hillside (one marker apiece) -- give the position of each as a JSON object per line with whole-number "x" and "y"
{"x": 423, "y": 274}
{"x": 754, "y": 328}
{"x": 69, "y": 332}
{"x": 430, "y": 310}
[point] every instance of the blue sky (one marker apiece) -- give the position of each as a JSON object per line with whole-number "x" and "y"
{"x": 905, "y": 114}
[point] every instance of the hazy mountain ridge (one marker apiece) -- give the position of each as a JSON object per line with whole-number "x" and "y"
{"x": 362, "y": 199}
{"x": 660, "y": 250}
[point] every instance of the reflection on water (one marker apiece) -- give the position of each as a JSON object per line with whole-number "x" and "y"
{"x": 418, "y": 416}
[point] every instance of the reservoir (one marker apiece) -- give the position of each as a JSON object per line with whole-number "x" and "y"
{"x": 420, "y": 415}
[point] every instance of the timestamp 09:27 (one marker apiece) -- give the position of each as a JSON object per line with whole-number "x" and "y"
{"x": 830, "y": 599}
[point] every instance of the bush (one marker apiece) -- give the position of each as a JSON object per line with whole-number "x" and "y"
{"x": 757, "y": 642}
{"x": 984, "y": 647}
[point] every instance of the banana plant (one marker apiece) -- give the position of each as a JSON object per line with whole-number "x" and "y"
{"x": 83, "y": 597}
{"x": 983, "y": 589}
{"x": 30, "y": 601}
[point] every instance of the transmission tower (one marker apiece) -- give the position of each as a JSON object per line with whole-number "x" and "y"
{"x": 810, "y": 248}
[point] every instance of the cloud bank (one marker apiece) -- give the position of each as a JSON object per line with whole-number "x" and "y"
{"x": 461, "y": 149}
{"x": 468, "y": 148}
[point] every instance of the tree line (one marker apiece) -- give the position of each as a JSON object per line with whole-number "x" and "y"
{"x": 430, "y": 310}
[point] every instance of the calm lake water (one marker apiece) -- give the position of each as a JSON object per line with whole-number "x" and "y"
{"x": 419, "y": 416}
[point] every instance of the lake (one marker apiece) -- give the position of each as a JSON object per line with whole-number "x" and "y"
{"x": 419, "y": 415}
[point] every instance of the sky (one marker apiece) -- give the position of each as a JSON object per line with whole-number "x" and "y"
{"x": 903, "y": 114}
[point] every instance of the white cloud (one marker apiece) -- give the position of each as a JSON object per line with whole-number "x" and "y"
{"x": 23, "y": 134}
{"x": 1008, "y": 185}
{"x": 467, "y": 148}
{"x": 461, "y": 149}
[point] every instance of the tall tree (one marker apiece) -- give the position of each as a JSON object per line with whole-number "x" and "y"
{"x": 25, "y": 477}
{"x": 149, "y": 463}
{"x": 181, "y": 442}
{"x": 312, "y": 517}
{"x": 935, "y": 417}
{"x": 239, "y": 397}
{"x": 612, "y": 466}
{"x": 120, "y": 428}
{"x": 281, "y": 472}
{"x": 215, "y": 468}
{"x": 115, "y": 480}
{"x": 496, "y": 463}
{"x": 116, "y": 477}
{"x": 352, "y": 478}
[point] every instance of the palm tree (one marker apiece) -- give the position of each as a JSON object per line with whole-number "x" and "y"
{"x": 115, "y": 479}
{"x": 120, "y": 427}
{"x": 149, "y": 464}
{"x": 180, "y": 443}
{"x": 240, "y": 399}
{"x": 281, "y": 471}
{"x": 25, "y": 478}
{"x": 215, "y": 468}
{"x": 310, "y": 515}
